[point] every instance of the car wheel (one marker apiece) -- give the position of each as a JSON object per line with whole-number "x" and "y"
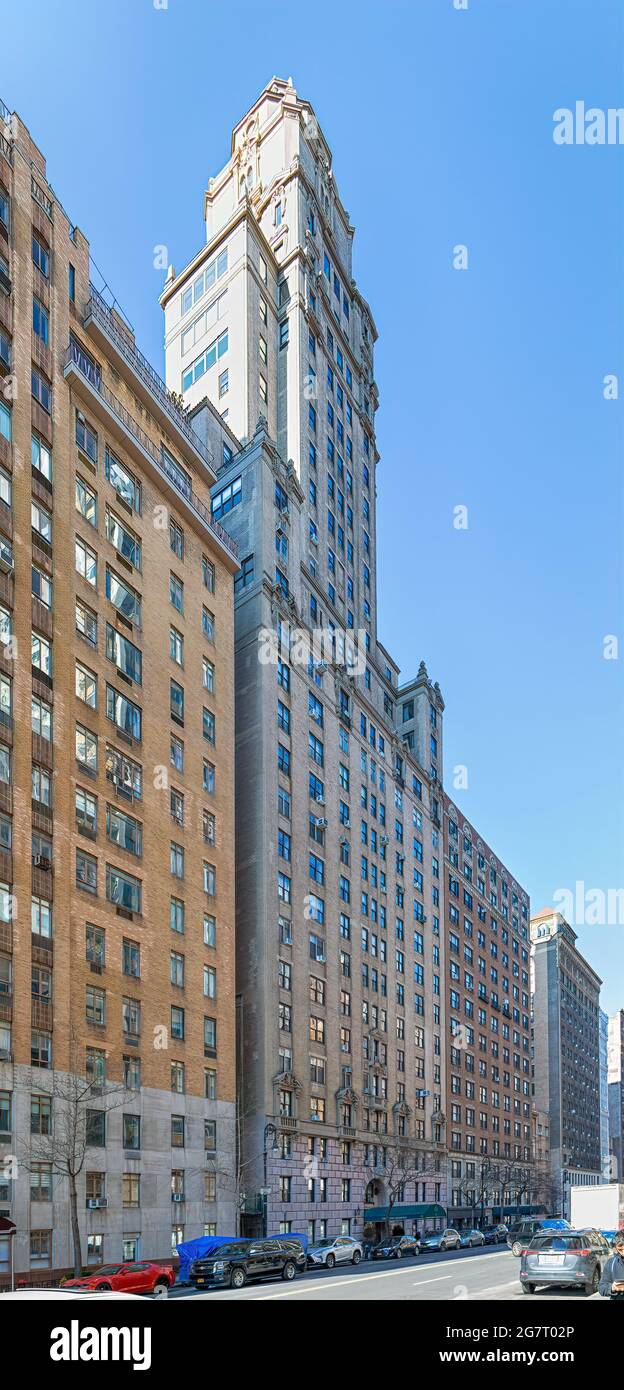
{"x": 594, "y": 1283}
{"x": 356, "y": 1257}
{"x": 330, "y": 1261}
{"x": 289, "y": 1271}
{"x": 516, "y": 1248}
{"x": 104, "y": 1288}
{"x": 161, "y": 1289}
{"x": 528, "y": 1288}
{"x": 237, "y": 1278}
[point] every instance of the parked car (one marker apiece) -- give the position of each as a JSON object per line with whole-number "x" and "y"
{"x": 397, "y": 1248}
{"x": 470, "y": 1238}
{"x": 133, "y": 1276}
{"x": 335, "y": 1250}
{"x": 495, "y": 1235}
{"x": 600, "y": 1237}
{"x": 244, "y": 1260}
{"x": 564, "y": 1258}
{"x": 521, "y": 1234}
{"x": 448, "y": 1239}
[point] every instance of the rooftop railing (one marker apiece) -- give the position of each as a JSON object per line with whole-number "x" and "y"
{"x": 100, "y": 311}
{"x": 75, "y": 357}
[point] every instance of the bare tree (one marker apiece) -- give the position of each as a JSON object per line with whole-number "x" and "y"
{"x": 64, "y": 1149}
{"x": 401, "y": 1162}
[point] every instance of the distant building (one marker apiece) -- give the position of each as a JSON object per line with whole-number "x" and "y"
{"x": 616, "y": 1093}
{"x": 566, "y": 1049}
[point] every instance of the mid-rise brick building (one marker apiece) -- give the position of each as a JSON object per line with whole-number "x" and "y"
{"x": 489, "y": 1097}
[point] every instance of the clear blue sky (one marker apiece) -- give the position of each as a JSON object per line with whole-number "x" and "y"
{"x": 490, "y": 380}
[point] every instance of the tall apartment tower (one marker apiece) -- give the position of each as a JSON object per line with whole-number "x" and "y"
{"x": 616, "y": 1093}
{"x": 340, "y": 953}
{"x": 489, "y": 1104}
{"x": 606, "y": 1163}
{"x": 116, "y": 768}
{"x": 566, "y": 1049}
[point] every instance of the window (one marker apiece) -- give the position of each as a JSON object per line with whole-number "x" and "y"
{"x": 176, "y": 860}
{"x": 176, "y": 539}
{"x": 41, "y": 522}
{"x": 41, "y": 917}
{"x": 210, "y": 880}
{"x": 228, "y": 498}
{"x": 86, "y": 623}
{"x": 123, "y": 713}
{"x": 176, "y": 701}
{"x": 215, "y": 350}
{"x": 5, "y": 421}
{"x": 123, "y": 889}
{"x": 245, "y": 574}
{"x": 123, "y": 481}
{"x": 86, "y": 871}
{"x": 40, "y": 256}
{"x": 125, "y": 542}
{"x": 41, "y": 390}
{"x": 41, "y": 457}
{"x": 210, "y": 1037}
{"x": 86, "y": 502}
{"x": 124, "y": 830}
{"x": 176, "y": 593}
{"x": 86, "y": 437}
{"x": 123, "y": 597}
{"x": 86, "y": 685}
{"x": 41, "y": 654}
{"x": 208, "y": 675}
{"x": 208, "y": 575}
{"x": 176, "y": 915}
{"x": 86, "y": 562}
{"x": 40, "y": 321}
{"x": 208, "y": 624}
{"x": 124, "y": 654}
{"x": 176, "y": 646}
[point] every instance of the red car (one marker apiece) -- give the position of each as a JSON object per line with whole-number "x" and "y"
{"x": 133, "y": 1276}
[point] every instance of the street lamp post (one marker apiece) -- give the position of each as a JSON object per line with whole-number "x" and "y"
{"x": 269, "y": 1129}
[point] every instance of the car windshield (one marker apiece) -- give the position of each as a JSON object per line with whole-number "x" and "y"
{"x": 106, "y": 1269}
{"x": 547, "y": 1241}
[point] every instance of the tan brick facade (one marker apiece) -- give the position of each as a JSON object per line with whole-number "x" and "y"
{"x": 99, "y": 959}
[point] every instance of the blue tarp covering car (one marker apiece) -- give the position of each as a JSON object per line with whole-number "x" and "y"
{"x": 205, "y": 1245}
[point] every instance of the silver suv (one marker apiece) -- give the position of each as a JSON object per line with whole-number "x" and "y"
{"x": 563, "y": 1257}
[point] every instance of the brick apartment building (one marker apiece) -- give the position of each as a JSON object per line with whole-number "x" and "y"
{"x": 116, "y": 766}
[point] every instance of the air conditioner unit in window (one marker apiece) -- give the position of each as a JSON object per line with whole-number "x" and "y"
{"x": 320, "y": 800}
{"x": 177, "y": 1197}
{"x": 347, "y": 824}
{"x": 6, "y": 565}
{"x": 94, "y": 1203}
{"x": 41, "y": 861}
{"x": 322, "y": 822}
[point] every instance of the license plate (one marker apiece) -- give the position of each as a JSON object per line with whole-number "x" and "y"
{"x": 200, "y": 1281}
{"x": 550, "y": 1259}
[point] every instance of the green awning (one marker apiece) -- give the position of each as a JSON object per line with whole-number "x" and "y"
{"x": 401, "y": 1213}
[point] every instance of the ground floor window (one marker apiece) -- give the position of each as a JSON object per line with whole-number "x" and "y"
{"x": 131, "y": 1246}
{"x": 40, "y": 1249}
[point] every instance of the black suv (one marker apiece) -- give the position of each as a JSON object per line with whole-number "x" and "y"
{"x": 241, "y": 1260}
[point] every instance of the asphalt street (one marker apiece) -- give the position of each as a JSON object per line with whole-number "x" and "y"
{"x": 455, "y": 1275}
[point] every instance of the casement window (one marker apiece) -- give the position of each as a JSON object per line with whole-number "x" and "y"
{"x": 86, "y": 747}
{"x": 123, "y": 889}
{"x": 208, "y": 574}
{"x": 126, "y": 543}
{"x": 123, "y": 597}
{"x": 86, "y": 562}
{"x": 86, "y": 685}
{"x": 86, "y": 437}
{"x": 41, "y": 390}
{"x": 124, "y": 654}
{"x": 41, "y": 522}
{"x": 123, "y": 481}
{"x": 40, "y": 321}
{"x": 86, "y": 623}
{"x": 123, "y": 713}
{"x": 86, "y": 810}
{"x": 124, "y": 830}
{"x": 41, "y": 457}
{"x": 203, "y": 282}
{"x": 41, "y": 916}
{"x": 40, "y": 256}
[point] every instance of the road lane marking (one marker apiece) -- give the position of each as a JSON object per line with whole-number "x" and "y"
{"x": 386, "y": 1274}
{"x": 440, "y": 1280}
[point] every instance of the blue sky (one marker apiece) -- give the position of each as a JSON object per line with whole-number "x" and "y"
{"x": 490, "y": 379}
